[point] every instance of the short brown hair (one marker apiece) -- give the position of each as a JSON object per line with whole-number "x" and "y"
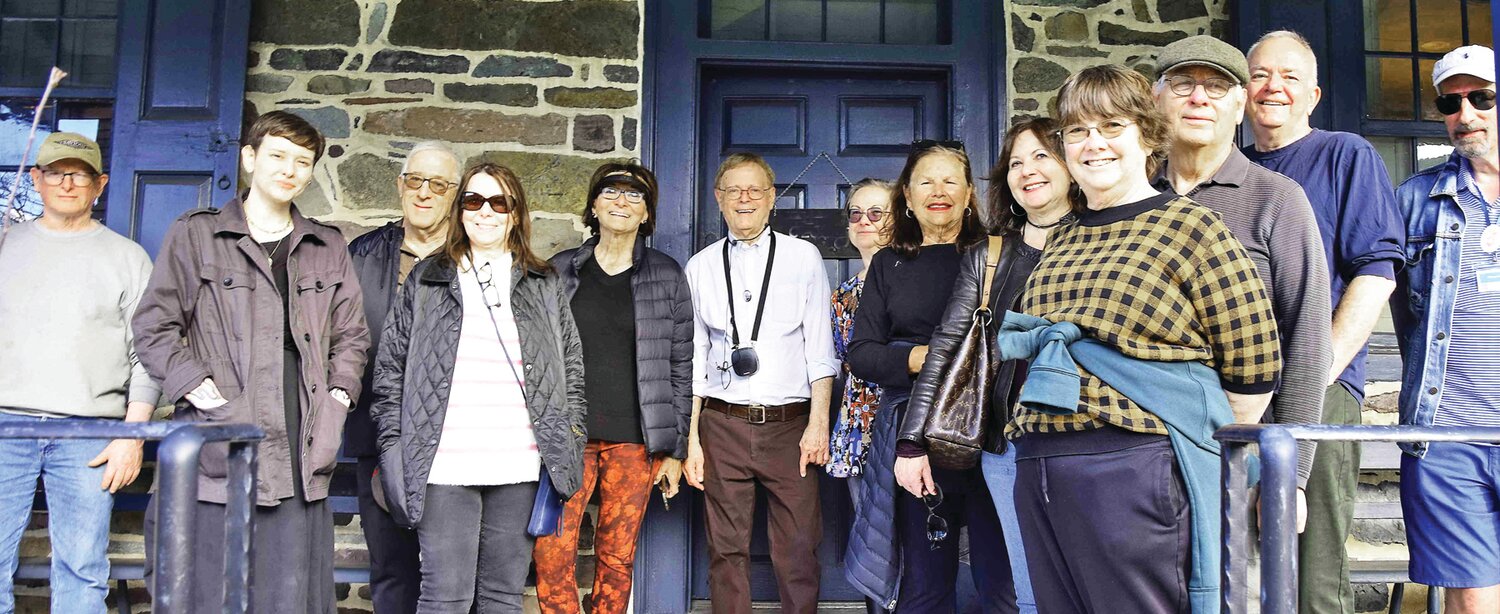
{"x": 1113, "y": 91}
{"x": 622, "y": 173}
{"x": 1002, "y": 202}
{"x": 906, "y": 233}
{"x": 287, "y": 126}
{"x": 519, "y": 242}
{"x": 737, "y": 160}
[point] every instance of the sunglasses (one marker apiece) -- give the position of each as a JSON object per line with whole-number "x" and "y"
{"x": 491, "y": 292}
{"x": 922, "y": 144}
{"x": 500, "y": 203}
{"x": 1079, "y": 133}
{"x": 937, "y": 527}
{"x": 1448, "y": 104}
{"x": 855, "y": 215}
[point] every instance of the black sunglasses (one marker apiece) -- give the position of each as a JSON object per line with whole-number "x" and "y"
{"x": 1448, "y": 104}
{"x": 931, "y": 143}
{"x": 937, "y": 527}
{"x": 500, "y": 203}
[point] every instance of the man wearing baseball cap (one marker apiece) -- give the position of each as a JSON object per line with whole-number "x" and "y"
{"x": 1200, "y": 87}
{"x": 68, "y": 288}
{"x": 1447, "y": 315}
{"x": 1346, "y": 181}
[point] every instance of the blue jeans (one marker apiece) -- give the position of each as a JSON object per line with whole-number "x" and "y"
{"x": 77, "y": 515}
{"x": 1000, "y": 475}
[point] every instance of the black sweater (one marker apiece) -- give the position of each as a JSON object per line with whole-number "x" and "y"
{"x": 903, "y": 301}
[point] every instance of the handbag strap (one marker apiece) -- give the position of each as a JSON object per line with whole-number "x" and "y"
{"x": 991, "y": 262}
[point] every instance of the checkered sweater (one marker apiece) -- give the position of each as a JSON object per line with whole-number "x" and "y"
{"x": 1161, "y": 279}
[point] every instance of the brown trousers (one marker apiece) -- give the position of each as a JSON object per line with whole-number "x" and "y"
{"x": 737, "y": 455}
{"x": 623, "y": 472}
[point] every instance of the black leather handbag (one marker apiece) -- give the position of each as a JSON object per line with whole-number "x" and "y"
{"x": 955, "y": 426}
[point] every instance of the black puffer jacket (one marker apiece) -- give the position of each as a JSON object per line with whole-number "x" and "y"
{"x": 1017, "y": 261}
{"x": 663, "y": 340}
{"x": 415, "y": 364}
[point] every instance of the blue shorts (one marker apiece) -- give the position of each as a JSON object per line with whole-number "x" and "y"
{"x": 1451, "y": 501}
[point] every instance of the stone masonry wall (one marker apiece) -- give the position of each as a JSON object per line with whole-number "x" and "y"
{"x": 550, "y": 89}
{"x": 1049, "y": 39}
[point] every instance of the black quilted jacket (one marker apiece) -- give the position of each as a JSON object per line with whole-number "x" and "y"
{"x": 663, "y": 340}
{"x": 414, "y": 365}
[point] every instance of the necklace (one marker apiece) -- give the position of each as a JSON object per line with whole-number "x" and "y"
{"x": 267, "y": 231}
{"x": 1062, "y": 220}
{"x": 271, "y": 254}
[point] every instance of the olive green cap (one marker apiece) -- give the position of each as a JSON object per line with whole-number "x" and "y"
{"x": 65, "y": 145}
{"x": 1204, "y": 50}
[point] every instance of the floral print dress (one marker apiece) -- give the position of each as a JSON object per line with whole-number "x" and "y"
{"x": 849, "y": 443}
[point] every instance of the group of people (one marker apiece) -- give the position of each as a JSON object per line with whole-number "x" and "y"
{"x": 1149, "y": 281}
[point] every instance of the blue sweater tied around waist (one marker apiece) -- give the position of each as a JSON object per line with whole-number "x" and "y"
{"x": 1185, "y": 395}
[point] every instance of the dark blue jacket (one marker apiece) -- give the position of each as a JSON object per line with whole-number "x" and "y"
{"x": 872, "y": 561}
{"x": 376, "y": 256}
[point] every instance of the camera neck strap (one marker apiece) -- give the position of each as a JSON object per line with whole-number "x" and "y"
{"x": 760, "y": 308}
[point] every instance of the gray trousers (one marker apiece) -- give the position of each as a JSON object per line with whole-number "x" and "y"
{"x": 475, "y": 550}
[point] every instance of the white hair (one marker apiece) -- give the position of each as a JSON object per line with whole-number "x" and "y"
{"x": 1295, "y": 37}
{"x": 434, "y": 146}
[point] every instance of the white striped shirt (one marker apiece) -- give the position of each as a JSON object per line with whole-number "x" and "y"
{"x": 1471, "y": 381}
{"x": 487, "y": 438}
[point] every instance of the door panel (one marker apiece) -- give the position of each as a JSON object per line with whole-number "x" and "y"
{"x": 865, "y": 121}
{"x": 178, "y": 109}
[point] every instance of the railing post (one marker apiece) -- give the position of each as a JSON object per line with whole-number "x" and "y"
{"x": 177, "y": 459}
{"x": 239, "y": 526}
{"x": 1278, "y": 515}
{"x": 1236, "y": 504}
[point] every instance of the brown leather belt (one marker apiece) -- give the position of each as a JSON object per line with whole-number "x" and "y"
{"x": 759, "y": 414}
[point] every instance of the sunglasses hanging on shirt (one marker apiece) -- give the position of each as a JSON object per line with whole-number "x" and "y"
{"x": 744, "y": 360}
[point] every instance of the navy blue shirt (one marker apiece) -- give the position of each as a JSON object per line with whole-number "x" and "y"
{"x": 1351, "y": 196}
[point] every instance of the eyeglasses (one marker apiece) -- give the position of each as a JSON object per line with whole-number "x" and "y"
{"x": 81, "y": 179}
{"x": 633, "y": 197}
{"x": 500, "y": 203}
{"x": 855, "y": 215}
{"x": 489, "y": 290}
{"x": 1183, "y": 85}
{"x": 1448, "y": 104}
{"x": 937, "y": 526}
{"x": 414, "y": 181}
{"x": 755, "y": 193}
{"x": 1079, "y": 133}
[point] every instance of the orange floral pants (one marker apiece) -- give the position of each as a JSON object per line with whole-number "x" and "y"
{"x": 623, "y": 473}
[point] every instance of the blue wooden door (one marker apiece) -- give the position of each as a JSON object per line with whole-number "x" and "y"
{"x": 865, "y": 121}
{"x": 178, "y": 106}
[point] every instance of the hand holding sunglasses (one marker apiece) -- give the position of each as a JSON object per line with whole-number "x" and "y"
{"x": 499, "y": 203}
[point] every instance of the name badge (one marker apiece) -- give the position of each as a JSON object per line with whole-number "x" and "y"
{"x": 1489, "y": 278}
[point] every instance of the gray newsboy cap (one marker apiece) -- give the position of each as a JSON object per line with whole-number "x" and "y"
{"x": 1204, "y": 50}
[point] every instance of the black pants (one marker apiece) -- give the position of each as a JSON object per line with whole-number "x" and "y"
{"x": 1106, "y": 532}
{"x": 928, "y": 575}
{"x": 395, "y": 565}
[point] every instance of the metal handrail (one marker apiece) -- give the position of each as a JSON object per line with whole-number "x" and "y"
{"x": 1278, "y": 511}
{"x": 177, "y": 491}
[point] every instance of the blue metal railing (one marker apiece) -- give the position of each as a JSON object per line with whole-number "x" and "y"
{"x": 177, "y": 495}
{"x": 1278, "y": 503}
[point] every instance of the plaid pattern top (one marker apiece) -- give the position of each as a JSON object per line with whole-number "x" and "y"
{"x": 1161, "y": 279}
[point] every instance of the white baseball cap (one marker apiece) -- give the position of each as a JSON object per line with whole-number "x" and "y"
{"x": 1474, "y": 60}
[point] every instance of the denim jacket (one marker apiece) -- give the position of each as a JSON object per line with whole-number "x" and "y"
{"x": 1422, "y": 305}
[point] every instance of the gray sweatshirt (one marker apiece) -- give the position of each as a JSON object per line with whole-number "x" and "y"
{"x": 1270, "y": 215}
{"x": 66, "y": 300}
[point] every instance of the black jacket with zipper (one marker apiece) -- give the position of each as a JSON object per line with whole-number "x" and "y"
{"x": 414, "y": 366}
{"x": 663, "y": 339}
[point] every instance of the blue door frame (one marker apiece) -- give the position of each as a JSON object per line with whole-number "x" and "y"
{"x": 675, "y": 60}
